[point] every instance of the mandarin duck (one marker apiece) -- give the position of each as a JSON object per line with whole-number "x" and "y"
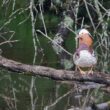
{"x": 84, "y": 57}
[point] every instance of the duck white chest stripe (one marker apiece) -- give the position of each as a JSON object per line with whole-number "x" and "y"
{"x": 85, "y": 59}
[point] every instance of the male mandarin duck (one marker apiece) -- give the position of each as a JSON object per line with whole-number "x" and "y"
{"x": 84, "y": 57}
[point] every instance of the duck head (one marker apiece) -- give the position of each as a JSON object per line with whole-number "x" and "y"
{"x": 84, "y": 37}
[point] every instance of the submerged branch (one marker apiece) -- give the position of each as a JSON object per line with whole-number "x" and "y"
{"x": 102, "y": 106}
{"x": 62, "y": 75}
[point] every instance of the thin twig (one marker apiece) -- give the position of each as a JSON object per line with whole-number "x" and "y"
{"x": 54, "y": 42}
{"x": 8, "y": 41}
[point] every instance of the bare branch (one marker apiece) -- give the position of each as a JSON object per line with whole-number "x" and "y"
{"x": 52, "y": 73}
{"x": 8, "y": 41}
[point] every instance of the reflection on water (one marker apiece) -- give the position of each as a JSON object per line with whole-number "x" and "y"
{"x": 15, "y": 92}
{"x": 49, "y": 94}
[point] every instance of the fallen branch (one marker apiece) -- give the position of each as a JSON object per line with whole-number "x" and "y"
{"x": 62, "y": 75}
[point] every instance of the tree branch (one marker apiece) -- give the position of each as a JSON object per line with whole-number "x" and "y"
{"x": 62, "y": 75}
